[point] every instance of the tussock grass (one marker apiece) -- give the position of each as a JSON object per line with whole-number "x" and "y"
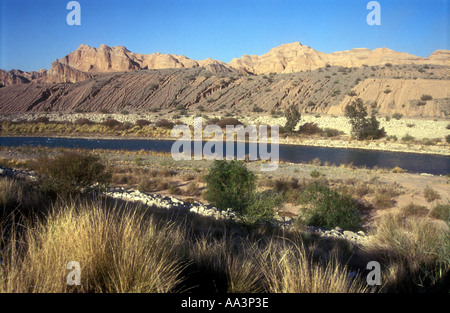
{"x": 124, "y": 249}
{"x": 414, "y": 252}
{"x": 118, "y": 252}
{"x": 288, "y": 268}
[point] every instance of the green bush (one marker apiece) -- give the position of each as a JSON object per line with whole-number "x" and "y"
{"x": 42, "y": 119}
{"x": 430, "y": 195}
{"x": 441, "y": 211}
{"x": 328, "y": 208}
{"x": 112, "y": 123}
{"x": 397, "y": 116}
{"x": 331, "y": 132}
{"x": 261, "y": 208}
{"x": 426, "y": 98}
{"x": 71, "y": 172}
{"x": 408, "y": 137}
{"x": 392, "y": 138}
{"x": 229, "y": 121}
{"x": 315, "y": 174}
{"x": 309, "y": 129}
{"x": 142, "y": 123}
{"x": 229, "y": 184}
{"x": 414, "y": 209}
{"x": 164, "y": 123}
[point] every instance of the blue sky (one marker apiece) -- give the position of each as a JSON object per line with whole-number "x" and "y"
{"x": 34, "y": 32}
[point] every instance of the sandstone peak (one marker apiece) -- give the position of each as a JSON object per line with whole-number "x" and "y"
{"x": 295, "y": 57}
{"x": 286, "y": 58}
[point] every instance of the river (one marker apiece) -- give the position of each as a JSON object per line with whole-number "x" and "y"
{"x": 412, "y": 162}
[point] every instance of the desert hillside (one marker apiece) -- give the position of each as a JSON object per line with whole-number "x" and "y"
{"x": 114, "y": 79}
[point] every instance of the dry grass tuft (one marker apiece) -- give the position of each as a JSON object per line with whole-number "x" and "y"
{"x": 413, "y": 251}
{"x": 289, "y": 269}
{"x": 117, "y": 252}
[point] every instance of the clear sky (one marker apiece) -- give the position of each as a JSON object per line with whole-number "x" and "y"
{"x": 34, "y": 32}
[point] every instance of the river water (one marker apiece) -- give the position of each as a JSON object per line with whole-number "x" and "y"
{"x": 412, "y": 162}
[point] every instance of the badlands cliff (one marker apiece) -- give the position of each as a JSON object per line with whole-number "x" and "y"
{"x": 114, "y": 79}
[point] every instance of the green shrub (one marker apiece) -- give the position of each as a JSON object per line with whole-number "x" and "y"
{"x": 430, "y": 195}
{"x": 397, "y": 116}
{"x": 309, "y": 129}
{"x": 229, "y": 184}
{"x": 82, "y": 121}
{"x": 414, "y": 209}
{"x": 261, "y": 208}
{"x": 408, "y": 137}
{"x": 164, "y": 123}
{"x": 71, "y": 173}
{"x": 328, "y": 208}
{"x": 331, "y": 132}
{"x": 112, "y": 123}
{"x": 257, "y": 109}
{"x": 315, "y": 174}
{"x": 142, "y": 123}
{"x": 174, "y": 189}
{"x": 42, "y": 119}
{"x": 231, "y": 121}
{"x": 384, "y": 198}
{"x": 392, "y": 138}
{"x": 426, "y": 98}
{"x": 441, "y": 211}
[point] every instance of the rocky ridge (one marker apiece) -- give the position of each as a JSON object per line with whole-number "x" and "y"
{"x": 396, "y": 89}
{"x": 79, "y": 65}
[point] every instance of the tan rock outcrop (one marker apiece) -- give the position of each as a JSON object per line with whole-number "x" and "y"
{"x": 294, "y": 57}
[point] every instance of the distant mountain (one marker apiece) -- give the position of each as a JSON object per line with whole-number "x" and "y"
{"x": 294, "y": 57}
{"x": 114, "y": 79}
{"x": 86, "y": 62}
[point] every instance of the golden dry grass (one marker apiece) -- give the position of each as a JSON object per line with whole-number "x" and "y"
{"x": 290, "y": 269}
{"x": 414, "y": 251}
{"x": 118, "y": 252}
{"x": 124, "y": 250}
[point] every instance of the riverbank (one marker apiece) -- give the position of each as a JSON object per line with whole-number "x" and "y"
{"x": 347, "y": 143}
{"x": 426, "y": 136}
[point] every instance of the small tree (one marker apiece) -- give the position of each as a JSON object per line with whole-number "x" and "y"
{"x": 292, "y": 118}
{"x": 230, "y": 185}
{"x": 362, "y": 126}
